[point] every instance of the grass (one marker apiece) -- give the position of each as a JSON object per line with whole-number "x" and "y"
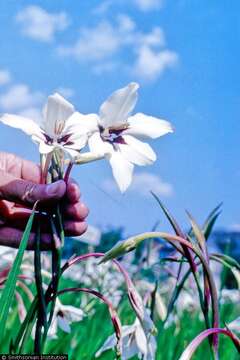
{"x": 88, "y": 335}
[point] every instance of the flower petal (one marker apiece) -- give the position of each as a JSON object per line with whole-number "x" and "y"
{"x": 137, "y": 152}
{"x": 141, "y": 340}
{"x": 98, "y": 146}
{"x": 28, "y": 126}
{"x": 76, "y": 141}
{"x": 122, "y": 170}
{"x": 147, "y": 126}
{"x": 110, "y": 343}
{"x": 79, "y": 123}
{"x": 152, "y": 348}
{"x": 73, "y": 313}
{"x": 44, "y": 148}
{"x": 63, "y": 324}
{"x": 116, "y": 109}
{"x": 52, "y": 332}
{"x": 55, "y": 113}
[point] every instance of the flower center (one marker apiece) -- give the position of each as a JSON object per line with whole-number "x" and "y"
{"x": 63, "y": 140}
{"x": 59, "y": 126}
{"x": 113, "y": 134}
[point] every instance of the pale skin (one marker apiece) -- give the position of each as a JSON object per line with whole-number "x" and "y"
{"x": 20, "y": 188}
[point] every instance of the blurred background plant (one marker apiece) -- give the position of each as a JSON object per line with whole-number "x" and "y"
{"x": 82, "y": 325}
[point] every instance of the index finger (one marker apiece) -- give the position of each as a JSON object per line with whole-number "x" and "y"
{"x": 20, "y": 168}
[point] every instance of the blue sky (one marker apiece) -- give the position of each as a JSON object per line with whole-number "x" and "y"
{"x": 184, "y": 54}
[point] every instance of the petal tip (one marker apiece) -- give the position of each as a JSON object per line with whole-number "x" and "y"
{"x": 134, "y": 85}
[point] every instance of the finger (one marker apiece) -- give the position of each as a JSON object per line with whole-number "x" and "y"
{"x": 73, "y": 228}
{"x": 15, "y": 215}
{"x": 78, "y": 211}
{"x": 6, "y": 208}
{"x": 12, "y": 237}
{"x": 73, "y": 192}
{"x": 20, "y": 168}
{"x": 27, "y": 192}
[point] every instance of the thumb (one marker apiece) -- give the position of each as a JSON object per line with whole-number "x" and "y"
{"x": 27, "y": 192}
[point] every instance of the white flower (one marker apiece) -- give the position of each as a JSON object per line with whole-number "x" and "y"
{"x": 91, "y": 237}
{"x": 61, "y": 127}
{"x": 63, "y": 316}
{"x": 7, "y": 255}
{"x": 235, "y": 325}
{"x": 116, "y": 134}
{"x": 135, "y": 341}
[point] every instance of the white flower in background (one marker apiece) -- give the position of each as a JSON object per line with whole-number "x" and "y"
{"x": 91, "y": 237}
{"x": 116, "y": 134}
{"x": 7, "y": 255}
{"x": 61, "y": 127}
{"x": 230, "y": 296}
{"x": 63, "y": 316}
{"x": 235, "y": 325}
{"x": 102, "y": 278}
{"x": 134, "y": 342}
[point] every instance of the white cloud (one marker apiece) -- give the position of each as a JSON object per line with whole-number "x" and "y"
{"x": 102, "y": 41}
{"x": 33, "y": 113}
{"x": 108, "y": 66}
{"x": 155, "y": 38}
{"x": 126, "y": 24}
{"x": 145, "y": 182}
{"x": 5, "y": 77}
{"x": 142, "y": 184}
{"x": 234, "y": 227}
{"x": 142, "y": 5}
{"x": 19, "y": 97}
{"x": 94, "y": 43}
{"x": 148, "y": 5}
{"x": 102, "y": 47}
{"x": 150, "y": 63}
{"x": 103, "y": 7}
{"x": 38, "y": 24}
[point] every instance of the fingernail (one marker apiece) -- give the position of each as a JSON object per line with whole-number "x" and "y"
{"x": 54, "y": 188}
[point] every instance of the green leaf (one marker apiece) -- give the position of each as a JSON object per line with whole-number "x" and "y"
{"x": 177, "y": 230}
{"x": 226, "y": 260}
{"x": 197, "y": 233}
{"x": 230, "y": 263}
{"x": 210, "y": 221}
{"x": 170, "y": 218}
{"x": 10, "y": 285}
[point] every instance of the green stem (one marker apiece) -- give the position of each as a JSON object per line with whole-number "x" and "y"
{"x": 42, "y": 309}
{"x": 28, "y": 320}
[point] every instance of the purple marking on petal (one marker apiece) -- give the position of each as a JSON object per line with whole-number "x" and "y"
{"x": 48, "y": 138}
{"x": 120, "y": 140}
{"x": 69, "y": 143}
{"x": 60, "y": 313}
{"x": 64, "y": 138}
{"x": 116, "y": 131}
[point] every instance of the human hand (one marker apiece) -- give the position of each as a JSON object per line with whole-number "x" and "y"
{"x": 20, "y": 188}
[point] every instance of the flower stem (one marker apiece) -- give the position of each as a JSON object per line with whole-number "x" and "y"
{"x": 42, "y": 309}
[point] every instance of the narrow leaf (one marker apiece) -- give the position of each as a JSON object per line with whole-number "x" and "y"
{"x": 226, "y": 259}
{"x": 10, "y": 285}
{"x": 210, "y": 221}
{"x": 177, "y": 230}
{"x": 198, "y": 234}
{"x": 170, "y": 218}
